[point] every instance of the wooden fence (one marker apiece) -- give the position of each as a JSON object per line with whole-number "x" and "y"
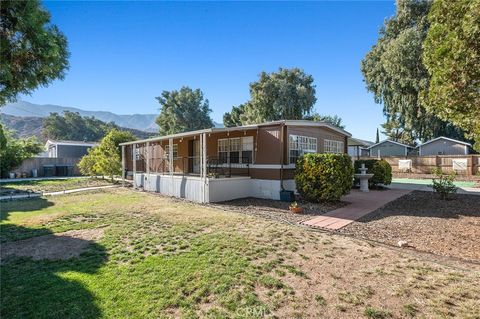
{"x": 38, "y": 162}
{"x": 426, "y": 164}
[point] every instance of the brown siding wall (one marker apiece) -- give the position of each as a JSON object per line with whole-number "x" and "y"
{"x": 321, "y": 133}
{"x": 269, "y": 146}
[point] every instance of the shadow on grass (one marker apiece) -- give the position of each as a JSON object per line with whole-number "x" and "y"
{"x": 23, "y": 205}
{"x": 32, "y": 286}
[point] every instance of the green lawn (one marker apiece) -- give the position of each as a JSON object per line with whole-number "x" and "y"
{"x": 429, "y": 182}
{"x": 164, "y": 258}
{"x": 55, "y": 185}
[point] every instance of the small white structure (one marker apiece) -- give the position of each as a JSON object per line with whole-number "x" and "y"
{"x": 459, "y": 164}
{"x": 363, "y": 177}
{"x": 405, "y": 165}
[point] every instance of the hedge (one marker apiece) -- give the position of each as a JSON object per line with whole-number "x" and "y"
{"x": 324, "y": 177}
{"x": 381, "y": 170}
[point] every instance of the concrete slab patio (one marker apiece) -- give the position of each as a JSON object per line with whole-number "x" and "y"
{"x": 360, "y": 204}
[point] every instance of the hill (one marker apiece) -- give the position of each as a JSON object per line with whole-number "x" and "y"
{"x": 25, "y": 126}
{"x": 143, "y": 122}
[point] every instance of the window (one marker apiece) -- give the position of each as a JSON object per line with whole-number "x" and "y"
{"x": 331, "y": 146}
{"x": 222, "y": 150}
{"x": 247, "y": 149}
{"x": 175, "y": 151}
{"x": 299, "y": 145}
{"x": 236, "y": 150}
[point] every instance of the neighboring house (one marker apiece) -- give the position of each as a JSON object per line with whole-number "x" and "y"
{"x": 60, "y": 158}
{"x": 61, "y": 149}
{"x": 358, "y": 148}
{"x": 389, "y": 148}
{"x": 444, "y": 146}
{"x": 219, "y": 164}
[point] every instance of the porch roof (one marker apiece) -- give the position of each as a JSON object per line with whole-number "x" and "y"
{"x": 242, "y": 128}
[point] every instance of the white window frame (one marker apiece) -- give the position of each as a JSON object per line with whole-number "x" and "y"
{"x": 167, "y": 151}
{"x": 333, "y": 147}
{"x": 242, "y": 146}
{"x": 302, "y": 144}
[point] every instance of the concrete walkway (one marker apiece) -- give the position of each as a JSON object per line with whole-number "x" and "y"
{"x": 67, "y": 191}
{"x": 28, "y": 179}
{"x": 360, "y": 204}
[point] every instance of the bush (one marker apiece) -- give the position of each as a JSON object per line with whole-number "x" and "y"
{"x": 381, "y": 170}
{"x": 443, "y": 185}
{"x": 14, "y": 151}
{"x": 324, "y": 177}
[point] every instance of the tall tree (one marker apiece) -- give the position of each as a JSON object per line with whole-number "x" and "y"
{"x": 34, "y": 52}
{"x": 377, "y": 137}
{"x": 452, "y": 57}
{"x": 72, "y": 126}
{"x": 395, "y": 132}
{"x": 288, "y": 94}
{"x": 183, "y": 110}
{"x": 394, "y": 72}
{"x": 335, "y": 120}
{"x": 105, "y": 159}
{"x": 234, "y": 117}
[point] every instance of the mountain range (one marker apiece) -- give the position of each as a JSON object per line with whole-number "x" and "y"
{"x": 143, "y": 122}
{"x": 26, "y": 126}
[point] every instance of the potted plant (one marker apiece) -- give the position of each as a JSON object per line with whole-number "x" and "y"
{"x": 294, "y": 208}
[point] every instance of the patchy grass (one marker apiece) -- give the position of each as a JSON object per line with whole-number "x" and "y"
{"x": 373, "y": 313}
{"x": 54, "y": 185}
{"x": 165, "y": 258}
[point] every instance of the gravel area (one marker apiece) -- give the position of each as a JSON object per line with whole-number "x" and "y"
{"x": 449, "y": 228}
{"x": 277, "y": 210}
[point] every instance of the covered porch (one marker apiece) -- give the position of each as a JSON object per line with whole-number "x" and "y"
{"x": 202, "y": 166}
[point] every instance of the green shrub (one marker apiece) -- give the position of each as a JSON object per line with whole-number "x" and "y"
{"x": 443, "y": 185}
{"x": 381, "y": 170}
{"x": 324, "y": 177}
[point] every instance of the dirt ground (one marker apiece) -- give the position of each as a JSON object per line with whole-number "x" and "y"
{"x": 448, "y": 228}
{"x": 54, "y": 247}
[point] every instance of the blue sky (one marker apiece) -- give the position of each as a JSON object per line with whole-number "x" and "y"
{"x": 124, "y": 54}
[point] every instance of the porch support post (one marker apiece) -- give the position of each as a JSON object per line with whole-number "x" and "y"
{"x": 123, "y": 165}
{"x": 203, "y": 165}
{"x": 170, "y": 156}
{"x": 204, "y": 155}
{"x": 148, "y": 157}
{"x": 134, "y": 159}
